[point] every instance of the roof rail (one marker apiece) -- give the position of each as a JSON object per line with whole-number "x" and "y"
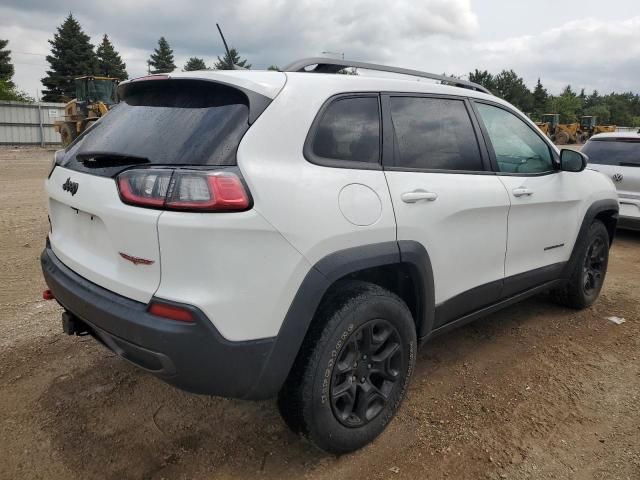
{"x": 331, "y": 65}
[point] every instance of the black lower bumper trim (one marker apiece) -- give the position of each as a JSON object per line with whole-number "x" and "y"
{"x": 191, "y": 356}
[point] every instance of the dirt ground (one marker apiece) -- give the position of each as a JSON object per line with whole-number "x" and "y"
{"x": 536, "y": 391}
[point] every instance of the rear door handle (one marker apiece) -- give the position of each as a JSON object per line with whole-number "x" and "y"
{"x": 522, "y": 192}
{"x": 418, "y": 196}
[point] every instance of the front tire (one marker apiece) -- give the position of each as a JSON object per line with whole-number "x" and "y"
{"x": 353, "y": 368}
{"x": 562, "y": 138}
{"x": 68, "y": 134}
{"x": 589, "y": 271}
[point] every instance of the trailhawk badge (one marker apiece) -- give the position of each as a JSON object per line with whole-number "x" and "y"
{"x": 136, "y": 260}
{"x": 69, "y": 186}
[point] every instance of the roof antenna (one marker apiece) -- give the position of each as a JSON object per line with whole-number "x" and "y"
{"x": 233, "y": 65}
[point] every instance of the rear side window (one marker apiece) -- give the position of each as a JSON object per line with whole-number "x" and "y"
{"x": 348, "y": 130}
{"x": 434, "y": 133}
{"x": 618, "y": 151}
{"x": 165, "y": 122}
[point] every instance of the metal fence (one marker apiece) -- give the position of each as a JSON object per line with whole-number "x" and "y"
{"x": 29, "y": 123}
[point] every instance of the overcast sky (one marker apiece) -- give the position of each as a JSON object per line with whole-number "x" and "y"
{"x": 588, "y": 43}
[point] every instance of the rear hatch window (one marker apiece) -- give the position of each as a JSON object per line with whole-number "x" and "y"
{"x": 614, "y": 151}
{"x": 164, "y": 122}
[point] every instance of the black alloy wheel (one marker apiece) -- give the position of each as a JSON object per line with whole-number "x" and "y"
{"x": 365, "y": 373}
{"x": 353, "y": 368}
{"x": 593, "y": 268}
{"x": 587, "y": 268}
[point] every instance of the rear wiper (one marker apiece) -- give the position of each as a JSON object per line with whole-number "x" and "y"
{"x": 109, "y": 159}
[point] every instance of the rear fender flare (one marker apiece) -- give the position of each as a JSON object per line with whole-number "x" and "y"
{"x": 318, "y": 281}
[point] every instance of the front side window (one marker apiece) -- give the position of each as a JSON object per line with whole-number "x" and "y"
{"x": 349, "y": 130}
{"x": 434, "y": 134}
{"x": 517, "y": 147}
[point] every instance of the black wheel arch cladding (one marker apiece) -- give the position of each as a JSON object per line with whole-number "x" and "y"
{"x": 603, "y": 210}
{"x": 318, "y": 282}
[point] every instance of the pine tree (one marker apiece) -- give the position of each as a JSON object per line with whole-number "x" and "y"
{"x": 483, "y": 78}
{"x": 110, "y": 63}
{"x": 509, "y": 86}
{"x": 227, "y": 62}
{"x": 583, "y": 96}
{"x": 273, "y": 68}
{"x": 161, "y": 60}
{"x": 193, "y": 64}
{"x": 567, "y": 104}
{"x": 593, "y": 100}
{"x": 71, "y": 56}
{"x": 540, "y": 99}
{"x": 6, "y": 67}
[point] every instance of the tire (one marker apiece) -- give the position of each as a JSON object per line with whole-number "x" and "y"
{"x": 67, "y": 134}
{"x": 336, "y": 395}
{"x": 589, "y": 271}
{"x": 562, "y": 138}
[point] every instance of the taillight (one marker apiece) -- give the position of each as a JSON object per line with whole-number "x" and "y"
{"x": 171, "y": 312}
{"x": 187, "y": 190}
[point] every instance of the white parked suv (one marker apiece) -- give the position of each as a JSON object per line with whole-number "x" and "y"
{"x": 299, "y": 233}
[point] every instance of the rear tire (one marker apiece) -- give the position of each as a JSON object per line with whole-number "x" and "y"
{"x": 352, "y": 370}
{"x": 589, "y": 271}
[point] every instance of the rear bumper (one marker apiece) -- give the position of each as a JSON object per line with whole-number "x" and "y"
{"x": 191, "y": 356}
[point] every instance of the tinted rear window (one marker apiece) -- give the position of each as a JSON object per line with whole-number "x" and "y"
{"x": 167, "y": 122}
{"x": 619, "y": 151}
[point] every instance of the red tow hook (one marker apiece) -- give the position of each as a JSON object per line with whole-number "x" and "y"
{"x": 48, "y": 295}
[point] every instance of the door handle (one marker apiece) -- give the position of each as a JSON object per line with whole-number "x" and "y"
{"x": 418, "y": 196}
{"x": 522, "y": 192}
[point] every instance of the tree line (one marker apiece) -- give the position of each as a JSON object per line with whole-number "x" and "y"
{"x": 622, "y": 109}
{"x": 8, "y": 89}
{"x": 73, "y": 55}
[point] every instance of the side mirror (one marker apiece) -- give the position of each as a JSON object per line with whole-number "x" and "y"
{"x": 572, "y": 160}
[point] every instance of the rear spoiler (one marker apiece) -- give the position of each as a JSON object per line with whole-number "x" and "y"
{"x": 257, "y": 101}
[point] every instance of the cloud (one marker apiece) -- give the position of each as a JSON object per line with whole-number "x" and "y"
{"x": 267, "y": 32}
{"x": 434, "y": 35}
{"x": 585, "y": 53}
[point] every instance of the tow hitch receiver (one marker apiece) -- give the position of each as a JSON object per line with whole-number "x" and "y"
{"x": 72, "y": 325}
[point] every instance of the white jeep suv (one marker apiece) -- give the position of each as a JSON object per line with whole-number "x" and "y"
{"x": 299, "y": 233}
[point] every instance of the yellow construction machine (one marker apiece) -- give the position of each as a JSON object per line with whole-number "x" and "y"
{"x": 564, "y": 133}
{"x": 567, "y": 133}
{"x": 589, "y": 127}
{"x": 549, "y": 124}
{"x": 94, "y": 97}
